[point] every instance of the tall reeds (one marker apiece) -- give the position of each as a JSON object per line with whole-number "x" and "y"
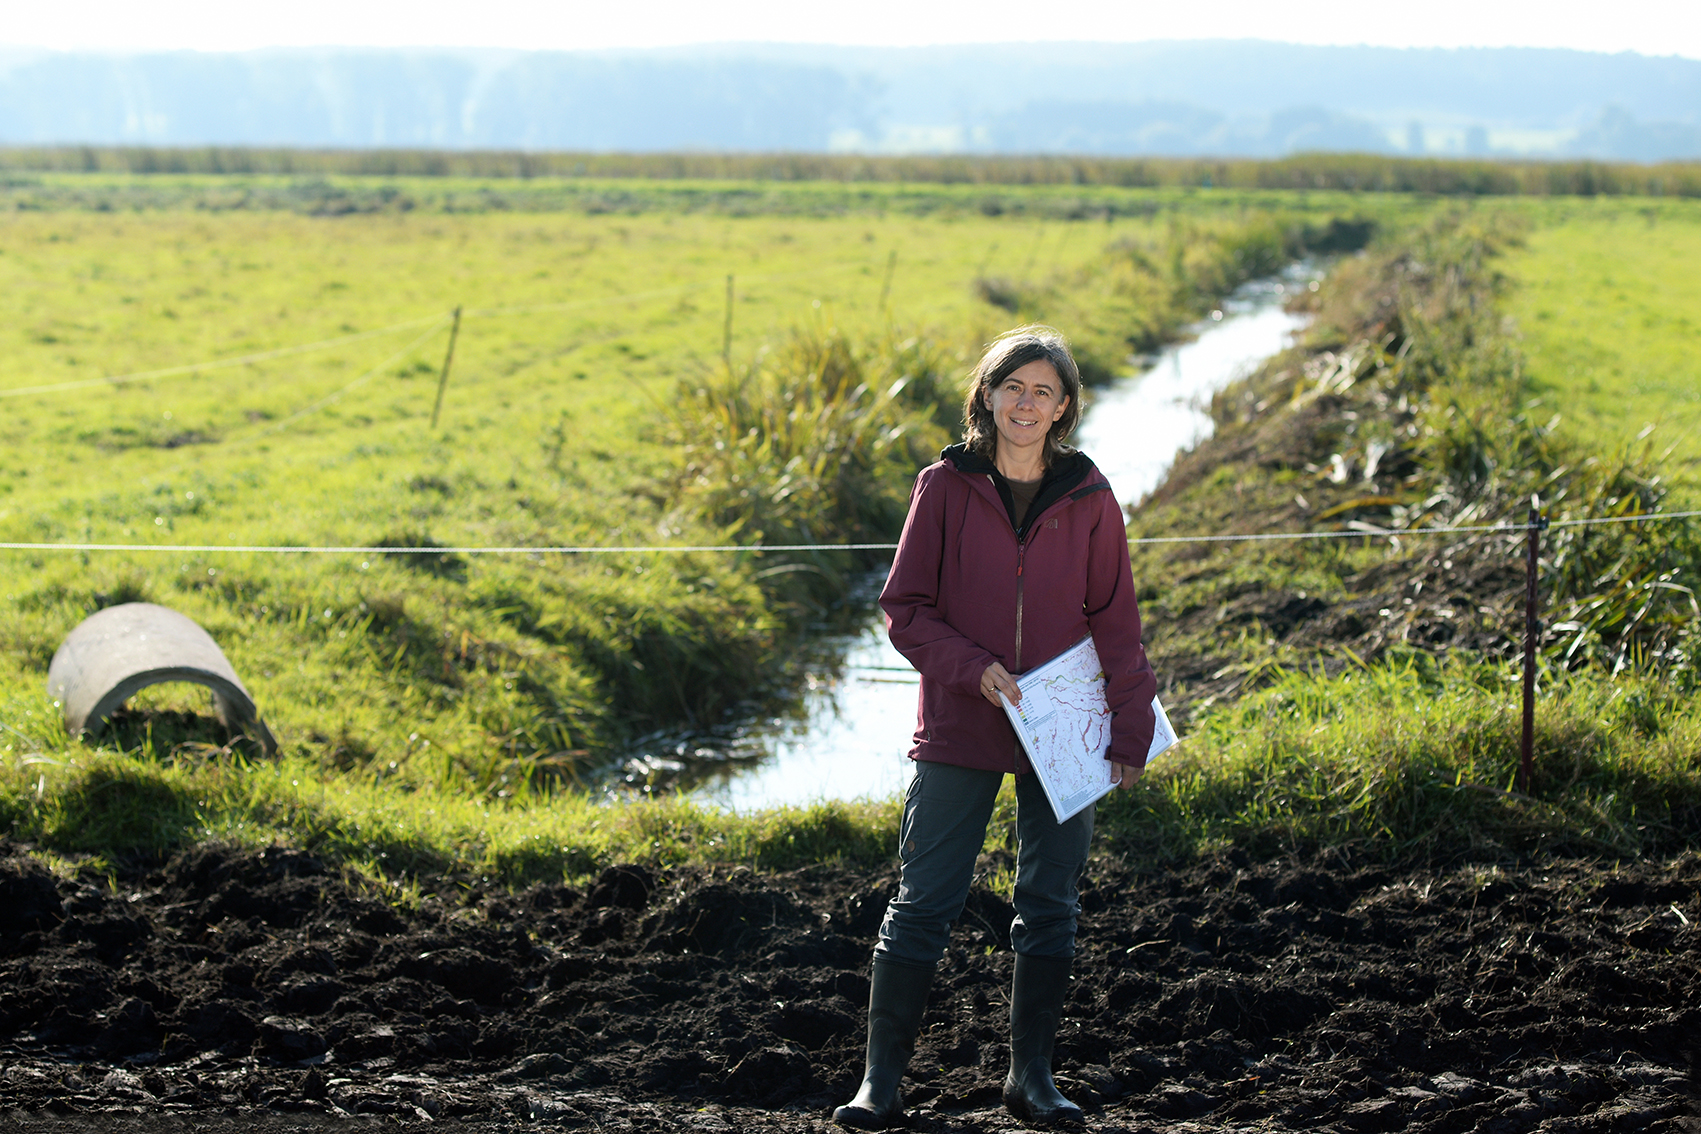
{"x": 1363, "y": 173}
{"x": 814, "y": 441}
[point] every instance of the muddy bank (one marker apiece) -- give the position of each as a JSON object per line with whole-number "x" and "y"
{"x": 261, "y": 990}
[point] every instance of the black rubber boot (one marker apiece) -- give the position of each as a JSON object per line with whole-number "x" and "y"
{"x": 897, "y": 997}
{"x": 1036, "y": 1008}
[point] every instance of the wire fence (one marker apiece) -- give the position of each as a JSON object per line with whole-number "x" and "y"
{"x": 1532, "y": 529}
{"x": 433, "y": 324}
{"x": 1364, "y": 531}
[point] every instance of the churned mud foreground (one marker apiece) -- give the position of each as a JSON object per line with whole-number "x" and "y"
{"x": 260, "y": 992}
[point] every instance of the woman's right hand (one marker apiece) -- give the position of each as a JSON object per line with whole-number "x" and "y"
{"x": 995, "y": 679}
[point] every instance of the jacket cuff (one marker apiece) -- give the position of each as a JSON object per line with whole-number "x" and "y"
{"x": 975, "y": 671}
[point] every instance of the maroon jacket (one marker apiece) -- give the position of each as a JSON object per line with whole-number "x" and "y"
{"x": 967, "y": 589}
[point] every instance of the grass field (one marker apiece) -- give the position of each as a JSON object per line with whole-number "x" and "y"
{"x": 565, "y": 314}
{"x": 576, "y": 331}
{"x": 1608, "y": 302}
{"x": 587, "y": 364}
{"x": 430, "y": 707}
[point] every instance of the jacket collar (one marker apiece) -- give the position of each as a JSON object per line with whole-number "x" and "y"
{"x": 1073, "y": 474}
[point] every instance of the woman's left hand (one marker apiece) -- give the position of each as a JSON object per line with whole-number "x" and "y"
{"x": 1124, "y": 776}
{"x": 995, "y": 679}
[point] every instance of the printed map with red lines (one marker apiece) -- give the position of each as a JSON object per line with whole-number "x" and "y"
{"x": 1065, "y": 725}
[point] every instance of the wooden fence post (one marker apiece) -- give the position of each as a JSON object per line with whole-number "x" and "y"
{"x": 443, "y": 379}
{"x": 726, "y": 334}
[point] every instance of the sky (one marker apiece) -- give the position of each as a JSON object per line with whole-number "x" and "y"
{"x": 1650, "y": 27}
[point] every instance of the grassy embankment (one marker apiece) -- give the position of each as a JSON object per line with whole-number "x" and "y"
{"x": 1366, "y": 690}
{"x": 426, "y": 702}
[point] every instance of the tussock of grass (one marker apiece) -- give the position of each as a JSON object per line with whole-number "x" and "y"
{"x": 814, "y": 441}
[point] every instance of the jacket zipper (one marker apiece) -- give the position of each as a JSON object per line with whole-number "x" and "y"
{"x": 1021, "y": 554}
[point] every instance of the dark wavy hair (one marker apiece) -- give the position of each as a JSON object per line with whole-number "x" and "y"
{"x": 1008, "y": 353}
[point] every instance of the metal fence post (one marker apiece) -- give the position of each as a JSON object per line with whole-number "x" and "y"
{"x": 1532, "y": 632}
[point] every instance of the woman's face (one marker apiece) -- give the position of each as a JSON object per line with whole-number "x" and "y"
{"x": 1026, "y": 404}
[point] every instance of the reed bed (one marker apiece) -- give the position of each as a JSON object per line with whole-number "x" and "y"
{"x": 1360, "y": 173}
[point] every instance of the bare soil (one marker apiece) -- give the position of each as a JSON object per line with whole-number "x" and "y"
{"x": 260, "y": 991}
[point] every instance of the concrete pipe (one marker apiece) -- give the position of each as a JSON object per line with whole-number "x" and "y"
{"x": 115, "y": 652}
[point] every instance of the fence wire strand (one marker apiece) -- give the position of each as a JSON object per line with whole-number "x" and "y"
{"x": 434, "y": 323}
{"x": 221, "y": 363}
{"x": 769, "y": 548}
{"x": 395, "y": 328}
{"x": 657, "y": 293}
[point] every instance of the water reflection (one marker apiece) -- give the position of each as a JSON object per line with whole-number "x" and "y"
{"x": 849, "y": 744}
{"x": 858, "y": 715}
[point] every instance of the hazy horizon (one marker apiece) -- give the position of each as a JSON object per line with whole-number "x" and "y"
{"x": 1242, "y": 97}
{"x": 1651, "y": 27}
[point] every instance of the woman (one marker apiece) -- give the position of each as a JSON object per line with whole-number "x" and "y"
{"x": 1013, "y": 551}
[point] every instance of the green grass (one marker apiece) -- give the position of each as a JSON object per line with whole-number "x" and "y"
{"x": 94, "y": 294}
{"x": 436, "y": 710}
{"x": 1418, "y": 758}
{"x": 586, "y": 387}
{"x": 1608, "y": 303}
{"x": 109, "y": 809}
{"x": 1406, "y": 759}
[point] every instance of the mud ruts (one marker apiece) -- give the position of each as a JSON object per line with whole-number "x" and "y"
{"x": 260, "y": 988}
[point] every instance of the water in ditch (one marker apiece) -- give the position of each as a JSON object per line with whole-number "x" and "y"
{"x": 851, "y": 739}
